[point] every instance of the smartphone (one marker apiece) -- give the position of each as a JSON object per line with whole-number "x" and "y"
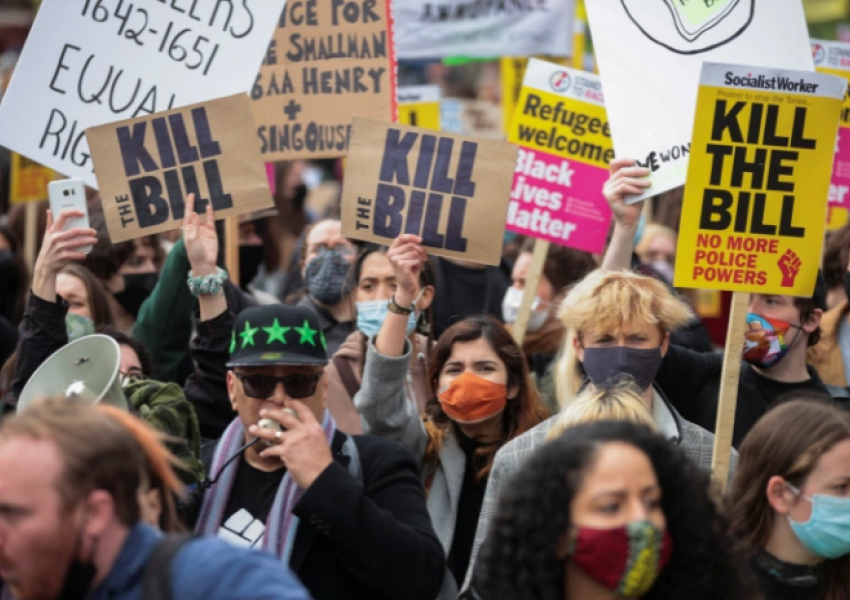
{"x": 70, "y": 194}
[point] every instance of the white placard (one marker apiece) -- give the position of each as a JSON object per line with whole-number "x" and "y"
{"x": 650, "y": 55}
{"x": 483, "y": 28}
{"x": 91, "y": 62}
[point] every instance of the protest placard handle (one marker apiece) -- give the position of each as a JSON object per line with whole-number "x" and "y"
{"x": 532, "y": 279}
{"x": 729, "y": 389}
{"x": 31, "y": 233}
{"x": 231, "y": 248}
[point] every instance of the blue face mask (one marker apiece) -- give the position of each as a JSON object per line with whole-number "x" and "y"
{"x": 827, "y": 533}
{"x": 371, "y": 315}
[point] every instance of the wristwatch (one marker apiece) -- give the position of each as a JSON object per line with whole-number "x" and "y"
{"x": 393, "y": 307}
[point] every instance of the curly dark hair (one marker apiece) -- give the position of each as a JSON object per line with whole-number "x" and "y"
{"x": 519, "y": 560}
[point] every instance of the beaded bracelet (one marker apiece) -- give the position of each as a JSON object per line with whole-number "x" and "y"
{"x": 208, "y": 285}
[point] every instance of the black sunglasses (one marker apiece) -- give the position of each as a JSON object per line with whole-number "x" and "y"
{"x": 298, "y": 385}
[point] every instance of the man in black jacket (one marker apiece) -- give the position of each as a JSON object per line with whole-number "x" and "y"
{"x": 347, "y": 515}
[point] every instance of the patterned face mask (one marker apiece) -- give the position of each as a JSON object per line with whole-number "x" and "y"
{"x": 766, "y": 340}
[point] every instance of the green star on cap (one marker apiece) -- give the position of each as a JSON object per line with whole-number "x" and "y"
{"x": 324, "y": 342}
{"x": 232, "y": 342}
{"x": 248, "y": 335}
{"x": 276, "y": 332}
{"x": 307, "y": 334}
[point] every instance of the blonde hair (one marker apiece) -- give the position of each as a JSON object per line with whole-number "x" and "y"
{"x": 620, "y": 403}
{"x": 611, "y": 299}
{"x": 650, "y": 232}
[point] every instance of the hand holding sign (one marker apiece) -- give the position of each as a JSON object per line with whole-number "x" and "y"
{"x": 626, "y": 179}
{"x": 408, "y": 258}
{"x": 201, "y": 239}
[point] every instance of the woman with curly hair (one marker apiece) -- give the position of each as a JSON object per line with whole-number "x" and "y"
{"x": 790, "y": 502}
{"x": 608, "y": 510}
{"x": 482, "y": 396}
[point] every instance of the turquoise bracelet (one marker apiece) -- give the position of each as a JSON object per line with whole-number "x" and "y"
{"x": 208, "y": 285}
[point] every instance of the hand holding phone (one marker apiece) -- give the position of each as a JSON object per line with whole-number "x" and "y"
{"x": 70, "y": 195}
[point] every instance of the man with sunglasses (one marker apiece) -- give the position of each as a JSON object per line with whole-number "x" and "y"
{"x": 347, "y": 514}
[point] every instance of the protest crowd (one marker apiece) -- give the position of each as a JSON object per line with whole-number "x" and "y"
{"x": 363, "y": 299}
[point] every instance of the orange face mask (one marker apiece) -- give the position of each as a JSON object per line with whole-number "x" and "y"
{"x": 470, "y": 399}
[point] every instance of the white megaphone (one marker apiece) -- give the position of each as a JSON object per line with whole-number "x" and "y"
{"x": 86, "y": 368}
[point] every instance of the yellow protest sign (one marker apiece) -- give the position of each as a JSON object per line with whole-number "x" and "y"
{"x": 512, "y": 71}
{"x": 28, "y": 181}
{"x": 419, "y": 106}
{"x": 834, "y": 58}
{"x": 836, "y": 218}
{"x": 755, "y": 201}
{"x": 820, "y": 11}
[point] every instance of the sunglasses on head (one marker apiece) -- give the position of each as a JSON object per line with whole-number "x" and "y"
{"x": 298, "y": 385}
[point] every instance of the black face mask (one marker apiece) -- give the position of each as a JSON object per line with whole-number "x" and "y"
{"x": 606, "y": 367}
{"x": 300, "y": 196}
{"x": 137, "y": 288}
{"x": 250, "y": 259}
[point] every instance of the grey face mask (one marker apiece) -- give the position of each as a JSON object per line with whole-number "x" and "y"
{"x": 607, "y": 367}
{"x": 327, "y": 277}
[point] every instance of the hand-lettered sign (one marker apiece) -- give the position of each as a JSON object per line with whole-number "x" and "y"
{"x": 565, "y": 147}
{"x": 755, "y": 202}
{"x": 90, "y": 62}
{"x": 834, "y": 58}
{"x": 450, "y": 190}
{"x": 328, "y": 61}
{"x": 147, "y": 166}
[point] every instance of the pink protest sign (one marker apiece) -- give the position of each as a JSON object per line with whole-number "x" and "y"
{"x": 834, "y": 58}
{"x": 565, "y": 147}
{"x": 272, "y": 179}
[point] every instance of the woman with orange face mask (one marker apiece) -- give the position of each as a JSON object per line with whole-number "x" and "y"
{"x": 481, "y": 397}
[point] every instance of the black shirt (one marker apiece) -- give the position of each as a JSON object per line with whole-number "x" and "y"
{"x": 462, "y": 292}
{"x": 468, "y": 510}
{"x": 249, "y": 504}
{"x": 778, "y": 580}
{"x": 691, "y": 382}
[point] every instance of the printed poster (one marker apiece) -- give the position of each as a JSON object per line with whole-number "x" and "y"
{"x": 755, "y": 202}
{"x": 565, "y": 145}
{"x": 476, "y": 28}
{"x": 512, "y": 72}
{"x": 328, "y": 61}
{"x": 450, "y": 190}
{"x": 834, "y": 58}
{"x": 28, "y": 180}
{"x": 90, "y": 62}
{"x": 419, "y": 106}
{"x": 650, "y": 53}
{"x": 147, "y": 167}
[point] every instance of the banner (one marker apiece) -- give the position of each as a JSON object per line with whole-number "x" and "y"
{"x": 147, "y": 166}
{"x": 328, "y": 61}
{"x": 419, "y": 106}
{"x": 565, "y": 147}
{"x": 650, "y": 65}
{"x": 483, "y": 28}
{"x": 754, "y": 209}
{"x": 450, "y": 190}
{"x": 476, "y": 118}
{"x": 28, "y": 180}
{"x": 511, "y": 74}
{"x": 834, "y": 58}
{"x": 89, "y": 62}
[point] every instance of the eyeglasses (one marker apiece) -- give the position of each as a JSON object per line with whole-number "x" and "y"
{"x": 125, "y": 379}
{"x": 298, "y": 385}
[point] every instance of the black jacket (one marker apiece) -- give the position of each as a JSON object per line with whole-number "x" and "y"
{"x": 206, "y": 388}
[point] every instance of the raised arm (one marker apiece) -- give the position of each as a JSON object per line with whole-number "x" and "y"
{"x": 626, "y": 179}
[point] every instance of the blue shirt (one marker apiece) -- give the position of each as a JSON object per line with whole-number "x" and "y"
{"x": 204, "y": 569}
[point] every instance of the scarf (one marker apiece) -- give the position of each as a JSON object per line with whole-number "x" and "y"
{"x": 281, "y": 525}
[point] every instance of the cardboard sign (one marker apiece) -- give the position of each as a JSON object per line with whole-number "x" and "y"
{"x": 511, "y": 74}
{"x": 28, "y": 181}
{"x": 328, "y": 61}
{"x": 450, "y": 190}
{"x": 445, "y": 28}
{"x": 477, "y": 118}
{"x": 147, "y": 166}
{"x": 419, "y": 106}
{"x": 754, "y": 209}
{"x": 91, "y": 62}
{"x": 650, "y": 65}
{"x": 565, "y": 147}
{"x": 834, "y": 58}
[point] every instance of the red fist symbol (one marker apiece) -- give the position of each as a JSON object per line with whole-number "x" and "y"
{"x": 789, "y": 264}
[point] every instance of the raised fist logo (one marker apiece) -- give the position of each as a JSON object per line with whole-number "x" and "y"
{"x": 789, "y": 263}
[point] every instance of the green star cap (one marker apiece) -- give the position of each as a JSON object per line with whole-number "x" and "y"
{"x": 277, "y": 335}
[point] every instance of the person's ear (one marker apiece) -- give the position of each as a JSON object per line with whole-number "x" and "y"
{"x": 578, "y": 348}
{"x": 779, "y": 495}
{"x": 99, "y": 514}
{"x": 426, "y": 299}
{"x": 665, "y": 343}
{"x": 813, "y": 322}
{"x": 231, "y": 389}
{"x": 154, "y": 504}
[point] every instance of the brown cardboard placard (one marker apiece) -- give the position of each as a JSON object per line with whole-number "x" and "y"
{"x": 328, "y": 61}
{"x": 147, "y": 166}
{"x": 451, "y": 190}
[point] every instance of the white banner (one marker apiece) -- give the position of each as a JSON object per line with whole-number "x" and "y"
{"x": 483, "y": 28}
{"x": 91, "y": 62}
{"x": 650, "y": 65}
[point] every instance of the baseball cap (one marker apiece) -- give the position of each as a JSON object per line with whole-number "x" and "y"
{"x": 275, "y": 334}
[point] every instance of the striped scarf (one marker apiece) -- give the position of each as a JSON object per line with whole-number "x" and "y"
{"x": 281, "y": 525}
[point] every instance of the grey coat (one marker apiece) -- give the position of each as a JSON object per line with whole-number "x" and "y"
{"x": 696, "y": 443}
{"x": 386, "y": 411}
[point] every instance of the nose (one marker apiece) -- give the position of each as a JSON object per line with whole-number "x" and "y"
{"x": 278, "y": 397}
{"x": 638, "y": 510}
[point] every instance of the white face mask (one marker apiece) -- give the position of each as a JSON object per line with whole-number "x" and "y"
{"x": 510, "y": 310}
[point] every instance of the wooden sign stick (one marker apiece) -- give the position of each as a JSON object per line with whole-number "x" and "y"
{"x": 532, "y": 279}
{"x": 729, "y": 389}
{"x": 31, "y": 233}
{"x": 231, "y": 249}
